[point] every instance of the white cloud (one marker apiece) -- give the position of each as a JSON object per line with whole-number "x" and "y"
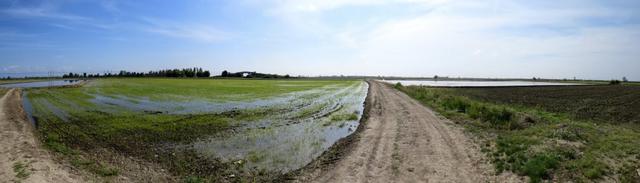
{"x": 485, "y": 46}
{"x": 310, "y": 6}
{"x": 41, "y": 12}
{"x": 197, "y": 32}
{"x": 472, "y": 38}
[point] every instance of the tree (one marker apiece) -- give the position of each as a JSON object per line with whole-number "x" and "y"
{"x": 624, "y": 79}
{"x": 435, "y": 77}
{"x": 225, "y": 73}
{"x": 614, "y": 82}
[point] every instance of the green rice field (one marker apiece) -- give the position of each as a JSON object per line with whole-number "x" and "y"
{"x": 200, "y": 129}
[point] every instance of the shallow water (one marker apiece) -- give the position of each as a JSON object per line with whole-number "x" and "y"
{"x": 28, "y": 108}
{"x": 40, "y": 84}
{"x": 475, "y": 83}
{"x": 300, "y": 131}
{"x": 282, "y": 144}
{"x": 194, "y": 106}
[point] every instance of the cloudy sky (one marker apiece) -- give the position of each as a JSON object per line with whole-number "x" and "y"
{"x": 592, "y": 39}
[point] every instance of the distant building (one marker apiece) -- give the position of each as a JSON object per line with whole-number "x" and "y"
{"x": 246, "y": 73}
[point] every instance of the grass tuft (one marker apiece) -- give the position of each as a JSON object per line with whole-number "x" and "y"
{"x": 21, "y": 170}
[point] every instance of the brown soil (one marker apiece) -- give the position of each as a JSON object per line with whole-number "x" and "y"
{"x": 603, "y": 103}
{"x": 403, "y": 141}
{"x": 19, "y": 145}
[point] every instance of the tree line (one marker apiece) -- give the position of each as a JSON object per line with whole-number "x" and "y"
{"x": 175, "y": 73}
{"x": 251, "y": 75}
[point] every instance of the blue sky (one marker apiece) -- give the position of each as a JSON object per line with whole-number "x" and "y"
{"x": 591, "y": 39}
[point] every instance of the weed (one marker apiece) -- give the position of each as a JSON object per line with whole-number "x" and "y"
{"x": 398, "y": 85}
{"x": 255, "y": 156}
{"x": 539, "y": 166}
{"x": 21, "y": 170}
{"x": 344, "y": 117}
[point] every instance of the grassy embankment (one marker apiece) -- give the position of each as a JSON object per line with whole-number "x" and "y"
{"x": 72, "y": 125}
{"x": 579, "y": 133}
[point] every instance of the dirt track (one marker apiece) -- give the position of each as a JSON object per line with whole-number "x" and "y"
{"x": 18, "y": 145}
{"x": 403, "y": 141}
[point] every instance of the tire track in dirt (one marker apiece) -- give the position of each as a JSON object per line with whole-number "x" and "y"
{"x": 403, "y": 141}
{"x": 19, "y": 145}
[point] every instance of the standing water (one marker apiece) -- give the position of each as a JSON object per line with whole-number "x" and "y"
{"x": 39, "y": 84}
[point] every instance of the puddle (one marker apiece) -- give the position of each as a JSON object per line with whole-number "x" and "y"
{"x": 40, "y": 84}
{"x": 28, "y": 108}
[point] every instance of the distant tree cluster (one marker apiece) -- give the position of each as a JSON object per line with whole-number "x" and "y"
{"x": 246, "y": 74}
{"x": 614, "y": 82}
{"x": 176, "y": 73}
{"x": 190, "y": 73}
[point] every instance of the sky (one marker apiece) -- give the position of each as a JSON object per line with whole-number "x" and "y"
{"x": 588, "y": 39}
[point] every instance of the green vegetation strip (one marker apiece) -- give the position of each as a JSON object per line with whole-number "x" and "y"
{"x": 541, "y": 145}
{"x": 218, "y": 90}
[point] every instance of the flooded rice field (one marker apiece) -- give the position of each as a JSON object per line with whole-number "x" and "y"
{"x": 39, "y": 84}
{"x": 475, "y": 83}
{"x": 292, "y": 139}
{"x": 279, "y": 133}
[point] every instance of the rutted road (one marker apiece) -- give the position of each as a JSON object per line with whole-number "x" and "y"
{"x": 403, "y": 141}
{"x": 18, "y": 145}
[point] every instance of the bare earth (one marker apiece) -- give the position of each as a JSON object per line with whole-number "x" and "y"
{"x": 403, "y": 141}
{"x": 18, "y": 145}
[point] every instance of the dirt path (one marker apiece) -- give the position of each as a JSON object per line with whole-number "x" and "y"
{"x": 403, "y": 141}
{"x": 19, "y": 148}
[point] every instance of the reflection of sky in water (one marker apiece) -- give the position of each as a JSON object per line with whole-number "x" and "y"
{"x": 39, "y": 84}
{"x": 290, "y": 145}
{"x": 299, "y": 99}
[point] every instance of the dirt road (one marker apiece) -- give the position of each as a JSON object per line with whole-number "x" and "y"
{"x": 21, "y": 158}
{"x": 403, "y": 141}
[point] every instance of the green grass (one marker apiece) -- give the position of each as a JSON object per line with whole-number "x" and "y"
{"x": 90, "y": 127}
{"x": 218, "y": 90}
{"x": 539, "y": 144}
{"x": 3, "y": 91}
{"x": 20, "y": 169}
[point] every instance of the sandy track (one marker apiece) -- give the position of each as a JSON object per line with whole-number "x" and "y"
{"x": 18, "y": 144}
{"x": 403, "y": 141}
